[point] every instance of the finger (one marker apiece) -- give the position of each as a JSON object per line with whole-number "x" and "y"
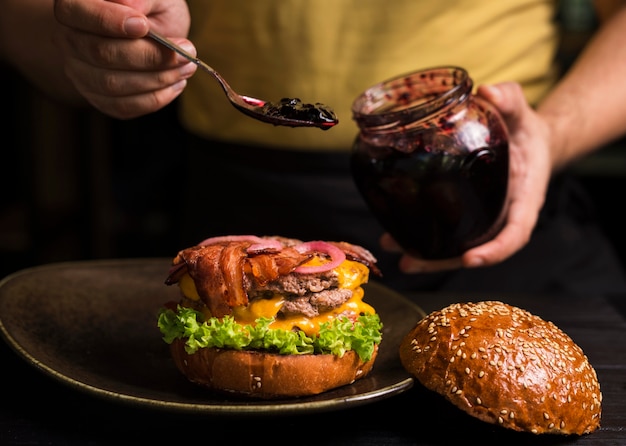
{"x": 101, "y": 17}
{"x": 411, "y": 265}
{"x": 389, "y": 244}
{"x": 514, "y": 236}
{"x": 125, "y": 83}
{"x": 508, "y": 98}
{"x": 122, "y": 54}
{"x": 136, "y": 105}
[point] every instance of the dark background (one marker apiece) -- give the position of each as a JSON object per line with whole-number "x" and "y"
{"x": 77, "y": 185}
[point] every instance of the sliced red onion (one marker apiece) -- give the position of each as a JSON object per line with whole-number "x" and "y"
{"x": 230, "y": 238}
{"x": 337, "y": 256}
{"x": 265, "y": 245}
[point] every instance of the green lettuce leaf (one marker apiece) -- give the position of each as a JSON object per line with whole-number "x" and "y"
{"x": 335, "y": 337}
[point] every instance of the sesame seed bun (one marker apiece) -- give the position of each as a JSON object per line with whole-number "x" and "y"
{"x": 506, "y": 366}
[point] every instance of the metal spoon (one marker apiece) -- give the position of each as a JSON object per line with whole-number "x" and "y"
{"x": 288, "y": 111}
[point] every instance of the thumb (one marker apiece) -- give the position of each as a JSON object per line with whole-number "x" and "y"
{"x": 508, "y": 98}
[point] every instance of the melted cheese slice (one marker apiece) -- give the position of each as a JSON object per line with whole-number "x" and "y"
{"x": 351, "y": 275}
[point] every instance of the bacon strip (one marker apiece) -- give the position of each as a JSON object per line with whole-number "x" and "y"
{"x": 205, "y": 270}
{"x": 231, "y": 264}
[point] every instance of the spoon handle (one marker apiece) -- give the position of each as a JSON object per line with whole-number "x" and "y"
{"x": 172, "y": 46}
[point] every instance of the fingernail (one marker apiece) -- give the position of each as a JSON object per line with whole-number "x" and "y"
{"x": 187, "y": 70}
{"x": 136, "y": 26}
{"x": 188, "y": 47}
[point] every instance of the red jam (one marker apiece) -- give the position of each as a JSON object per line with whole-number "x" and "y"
{"x": 432, "y": 162}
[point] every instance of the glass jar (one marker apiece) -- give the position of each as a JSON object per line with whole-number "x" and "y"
{"x": 432, "y": 161}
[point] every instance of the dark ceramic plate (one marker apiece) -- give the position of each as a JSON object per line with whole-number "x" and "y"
{"x": 92, "y": 326}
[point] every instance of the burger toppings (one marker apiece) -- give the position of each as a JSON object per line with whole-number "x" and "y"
{"x": 506, "y": 366}
{"x": 273, "y": 293}
{"x": 336, "y": 257}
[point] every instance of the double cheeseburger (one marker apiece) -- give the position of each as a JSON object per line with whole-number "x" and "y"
{"x": 505, "y": 366}
{"x": 271, "y": 317}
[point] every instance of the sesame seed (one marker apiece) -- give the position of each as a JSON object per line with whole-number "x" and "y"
{"x": 546, "y": 415}
{"x": 458, "y": 392}
{"x": 467, "y": 370}
{"x": 479, "y": 401}
{"x": 551, "y": 426}
{"x": 481, "y": 374}
{"x": 562, "y": 424}
{"x": 500, "y": 420}
{"x": 511, "y": 415}
{"x": 473, "y": 356}
{"x": 454, "y": 389}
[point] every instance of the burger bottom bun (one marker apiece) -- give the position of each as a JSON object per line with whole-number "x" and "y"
{"x": 506, "y": 366}
{"x": 267, "y": 375}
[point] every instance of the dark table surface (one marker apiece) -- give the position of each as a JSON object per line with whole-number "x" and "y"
{"x": 36, "y": 409}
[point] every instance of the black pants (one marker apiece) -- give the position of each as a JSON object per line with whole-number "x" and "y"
{"x": 311, "y": 196}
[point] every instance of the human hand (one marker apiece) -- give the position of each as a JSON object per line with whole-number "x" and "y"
{"x": 109, "y": 62}
{"x": 529, "y": 173}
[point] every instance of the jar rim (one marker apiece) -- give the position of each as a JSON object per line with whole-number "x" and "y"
{"x": 396, "y": 100}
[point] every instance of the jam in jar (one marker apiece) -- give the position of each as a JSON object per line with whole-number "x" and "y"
{"x": 432, "y": 161}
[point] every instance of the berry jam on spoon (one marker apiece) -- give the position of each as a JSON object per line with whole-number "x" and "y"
{"x": 291, "y": 112}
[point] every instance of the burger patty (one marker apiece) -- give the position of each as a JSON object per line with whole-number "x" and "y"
{"x": 308, "y": 295}
{"x": 294, "y": 285}
{"x": 312, "y": 305}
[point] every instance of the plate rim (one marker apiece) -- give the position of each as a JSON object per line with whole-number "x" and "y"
{"x": 246, "y": 408}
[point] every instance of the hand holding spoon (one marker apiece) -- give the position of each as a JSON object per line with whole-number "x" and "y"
{"x": 289, "y": 112}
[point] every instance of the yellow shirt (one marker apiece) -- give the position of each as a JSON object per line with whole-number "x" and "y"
{"x": 330, "y": 51}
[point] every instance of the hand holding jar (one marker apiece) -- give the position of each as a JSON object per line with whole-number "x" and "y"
{"x": 440, "y": 170}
